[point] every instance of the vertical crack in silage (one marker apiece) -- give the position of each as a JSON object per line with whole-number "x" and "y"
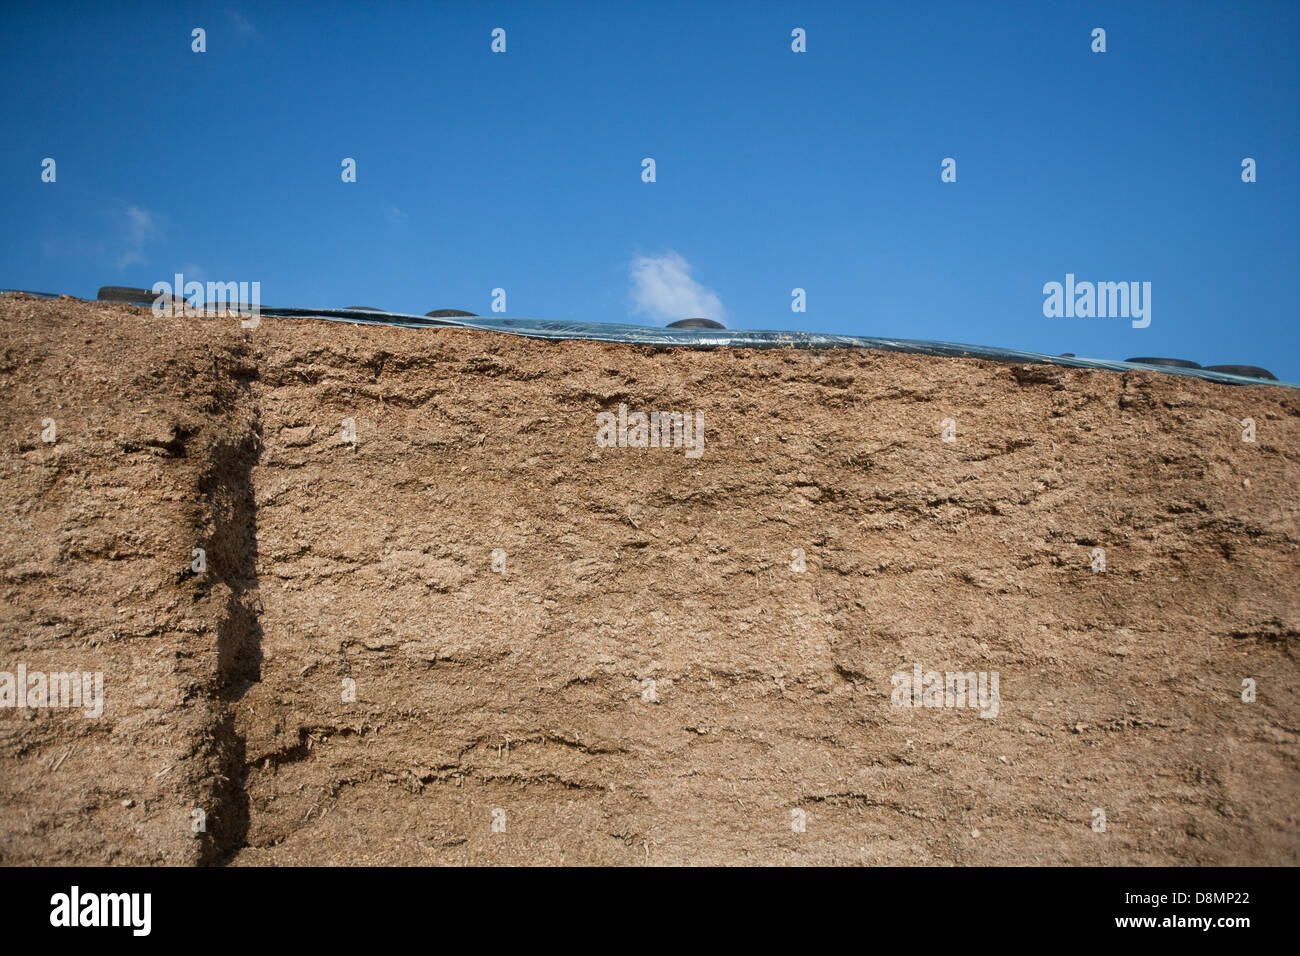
{"x": 226, "y": 489}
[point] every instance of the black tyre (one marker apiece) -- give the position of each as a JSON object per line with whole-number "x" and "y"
{"x": 141, "y": 297}
{"x": 696, "y": 324}
{"x": 1166, "y": 362}
{"x": 125, "y": 293}
{"x": 449, "y": 314}
{"x": 1253, "y": 371}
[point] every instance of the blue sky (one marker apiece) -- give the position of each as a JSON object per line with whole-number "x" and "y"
{"x": 775, "y": 169}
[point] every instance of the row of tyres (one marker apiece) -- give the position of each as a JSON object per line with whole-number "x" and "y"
{"x": 706, "y": 333}
{"x": 1249, "y": 371}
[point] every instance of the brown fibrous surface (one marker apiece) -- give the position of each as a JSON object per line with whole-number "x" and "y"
{"x": 439, "y": 623}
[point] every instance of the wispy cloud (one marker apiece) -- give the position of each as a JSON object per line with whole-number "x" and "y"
{"x": 664, "y": 290}
{"x": 242, "y": 24}
{"x": 141, "y": 228}
{"x": 392, "y": 213}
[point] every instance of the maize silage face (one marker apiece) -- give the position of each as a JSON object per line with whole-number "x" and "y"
{"x": 441, "y": 622}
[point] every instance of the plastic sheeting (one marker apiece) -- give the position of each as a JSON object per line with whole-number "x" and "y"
{"x": 729, "y": 338}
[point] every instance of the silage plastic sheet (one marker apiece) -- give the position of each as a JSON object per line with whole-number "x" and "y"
{"x": 657, "y": 336}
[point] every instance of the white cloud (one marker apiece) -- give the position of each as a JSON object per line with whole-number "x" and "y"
{"x": 140, "y": 225}
{"x": 241, "y": 23}
{"x": 664, "y": 290}
{"x": 140, "y": 230}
